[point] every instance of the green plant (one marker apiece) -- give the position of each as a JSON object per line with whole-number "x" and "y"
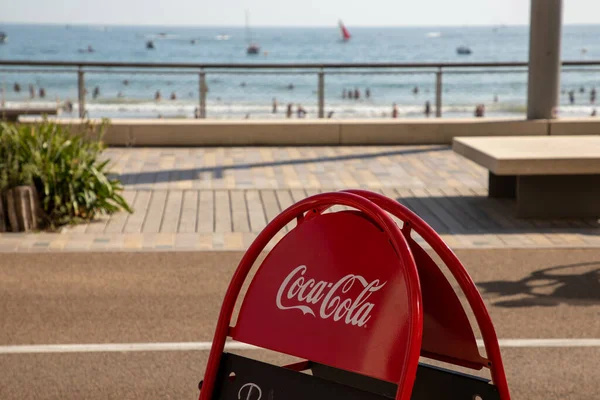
{"x": 14, "y": 171}
{"x": 70, "y": 177}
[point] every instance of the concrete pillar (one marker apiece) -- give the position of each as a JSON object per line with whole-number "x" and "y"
{"x": 544, "y": 58}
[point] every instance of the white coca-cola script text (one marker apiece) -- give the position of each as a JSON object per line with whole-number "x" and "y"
{"x": 336, "y": 301}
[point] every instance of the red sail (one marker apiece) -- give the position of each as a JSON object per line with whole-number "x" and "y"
{"x": 345, "y": 33}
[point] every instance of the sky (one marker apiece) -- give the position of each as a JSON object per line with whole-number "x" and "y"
{"x": 287, "y": 13}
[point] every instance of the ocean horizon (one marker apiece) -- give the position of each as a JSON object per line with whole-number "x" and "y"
{"x": 250, "y": 95}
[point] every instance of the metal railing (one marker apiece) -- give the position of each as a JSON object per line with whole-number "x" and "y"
{"x": 320, "y": 69}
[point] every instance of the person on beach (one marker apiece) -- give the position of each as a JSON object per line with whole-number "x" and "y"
{"x": 330, "y": 114}
{"x": 31, "y": 91}
{"x": 427, "y": 108}
{"x": 479, "y": 110}
{"x": 582, "y": 90}
{"x": 593, "y": 114}
{"x": 368, "y": 93}
{"x": 572, "y": 96}
{"x": 301, "y": 112}
{"x": 274, "y": 110}
{"x": 415, "y": 90}
{"x": 125, "y": 82}
{"x": 350, "y": 94}
{"x": 356, "y": 94}
{"x": 17, "y": 87}
{"x": 173, "y": 96}
{"x": 157, "y": 95}
{"x": 96, "y": 92}
{"x": 288, "y": 113}
{"x": 593, "y": 96}
{"x": 394, "y": 111}
{"x": 68, "y": 107}
{"x": 290, "y": 86}
{"x": 42, "y": 93}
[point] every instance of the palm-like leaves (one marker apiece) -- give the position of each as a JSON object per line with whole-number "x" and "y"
{"x": 67, "y": 170}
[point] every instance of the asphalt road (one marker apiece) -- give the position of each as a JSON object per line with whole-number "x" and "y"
{"x": 63, "y": 298}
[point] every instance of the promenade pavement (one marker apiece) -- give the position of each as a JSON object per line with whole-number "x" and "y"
{"x": 220, "y": 198}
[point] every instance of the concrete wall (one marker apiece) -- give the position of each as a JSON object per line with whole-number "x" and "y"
{"x": 575, "y": 126}
{"x": 434, "y": 131}
{"x": 165, "y": 132}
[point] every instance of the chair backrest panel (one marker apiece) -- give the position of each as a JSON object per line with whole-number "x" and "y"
{"x": 332, "y": 291}
{"x": 241, "y": 378}
{"x": 447, "y": 332}
{"x": 432, "y": 383}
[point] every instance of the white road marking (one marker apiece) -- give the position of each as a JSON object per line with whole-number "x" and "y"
{"x": 546, "y": 343}
{"x": 204, "y": 346}
{"x": 119, "y": 347}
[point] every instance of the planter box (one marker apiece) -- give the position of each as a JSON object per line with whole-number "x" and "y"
{"x": 3, "y": 223}
{"x": 22, "y": 208}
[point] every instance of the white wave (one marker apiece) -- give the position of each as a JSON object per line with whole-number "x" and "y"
{"x": 239, "y": 109}
{"x": 577, "y": 110}
{"x": 433, "y": 34}
{"x": 223, "y": 37}
{"x": 162, "y": 35}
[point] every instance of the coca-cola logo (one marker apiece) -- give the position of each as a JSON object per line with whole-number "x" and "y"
{"x": 333, "y": 300}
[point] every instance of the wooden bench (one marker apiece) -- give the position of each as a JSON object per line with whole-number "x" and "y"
{"x": 550, "y": 176}
{"x": 12, "y": 114}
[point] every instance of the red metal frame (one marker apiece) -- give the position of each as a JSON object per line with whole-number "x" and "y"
{"x": 312, "y": 205}
{"x": 414, "y": 222}
{"x": 373, "y": 205}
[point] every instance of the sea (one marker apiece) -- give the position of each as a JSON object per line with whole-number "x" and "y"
{"x": 238, "y": 95}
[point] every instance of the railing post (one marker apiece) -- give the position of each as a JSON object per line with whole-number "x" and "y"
{"x": 321, "y": 94}
{"x": 203, "y": 90}
{"x": 81, "y": 92}
{"x": 438, "y": 93}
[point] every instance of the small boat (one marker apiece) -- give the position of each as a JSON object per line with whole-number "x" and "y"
{"x": 463, "y": 50}
{"x": 344, "y": 32}
{"x": 3, "y": 37}
{"x": 253, "y": 48}
{"x": 150, "y": 45}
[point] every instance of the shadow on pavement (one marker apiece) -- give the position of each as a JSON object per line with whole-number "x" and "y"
{"x": 217, "y": 171}
{"x": 574, "y": 284}
{"x": 480, "y": 215}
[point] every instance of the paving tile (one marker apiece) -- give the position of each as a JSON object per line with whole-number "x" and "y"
{"x": 220, "y": 198}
